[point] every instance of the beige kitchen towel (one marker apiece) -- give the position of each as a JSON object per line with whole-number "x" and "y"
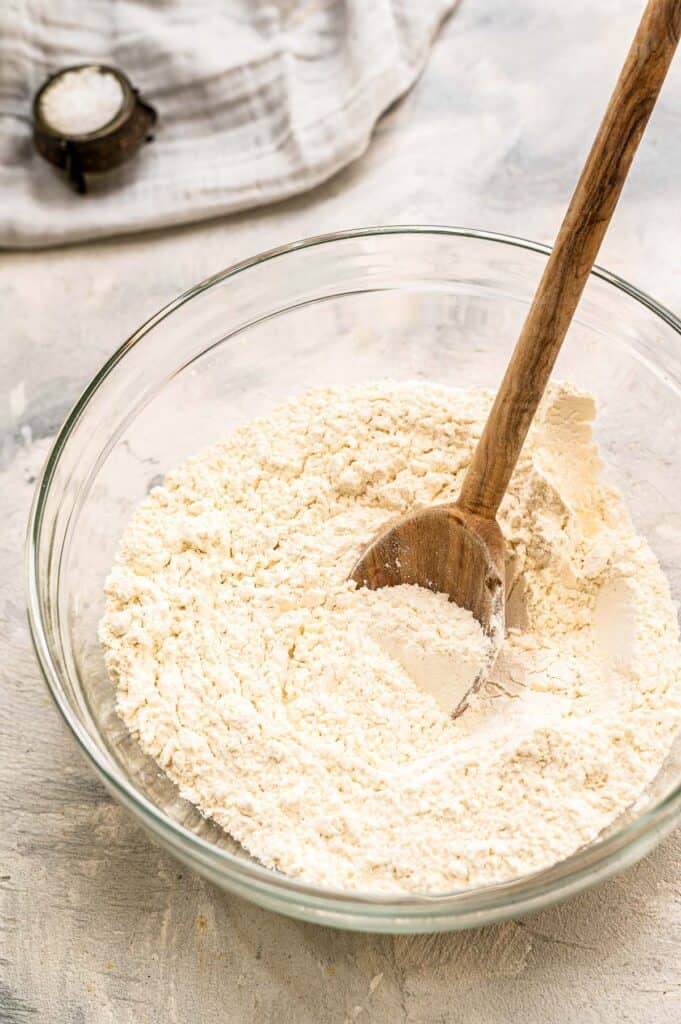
{"x": 256, "y": 101}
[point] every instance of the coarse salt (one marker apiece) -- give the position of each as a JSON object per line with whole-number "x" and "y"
{"x": 81, "y": 101}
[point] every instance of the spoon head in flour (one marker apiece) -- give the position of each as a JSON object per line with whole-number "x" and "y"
{"x": 449, "y": 550}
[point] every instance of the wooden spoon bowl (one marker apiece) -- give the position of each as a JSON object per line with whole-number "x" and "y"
{"x": 450, "y": 551}
{"x": 446, "y": 549}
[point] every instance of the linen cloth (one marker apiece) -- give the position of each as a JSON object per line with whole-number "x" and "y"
{"x": 256, "y": 101}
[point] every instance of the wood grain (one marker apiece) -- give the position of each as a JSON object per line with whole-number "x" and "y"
{"x": 573, "y": 256}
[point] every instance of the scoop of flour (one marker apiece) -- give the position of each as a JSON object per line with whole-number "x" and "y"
{"x": 439, "y": 644}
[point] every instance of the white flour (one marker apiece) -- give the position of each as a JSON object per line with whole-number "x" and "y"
{"x": 293, "y": 710}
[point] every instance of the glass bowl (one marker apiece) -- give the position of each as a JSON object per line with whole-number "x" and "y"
{"x": 399, "y": 302}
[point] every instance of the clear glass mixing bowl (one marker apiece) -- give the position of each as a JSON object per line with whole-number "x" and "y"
{"x": 404, "y": 302}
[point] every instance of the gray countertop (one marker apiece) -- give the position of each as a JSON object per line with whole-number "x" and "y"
{"x": 96, "y": 923}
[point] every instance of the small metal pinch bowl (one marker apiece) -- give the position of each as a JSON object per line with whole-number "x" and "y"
{"x": 67, "y": 131}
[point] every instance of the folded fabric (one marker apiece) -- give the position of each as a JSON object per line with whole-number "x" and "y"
{"x": 256, "y": 101}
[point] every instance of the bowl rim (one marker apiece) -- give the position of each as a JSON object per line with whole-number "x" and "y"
{"x": 487, "y": 902}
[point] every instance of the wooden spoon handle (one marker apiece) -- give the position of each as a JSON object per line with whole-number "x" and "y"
{"x": 572, "y": 258}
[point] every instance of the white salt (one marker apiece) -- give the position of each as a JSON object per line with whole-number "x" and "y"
{"x": 81, "y": 101}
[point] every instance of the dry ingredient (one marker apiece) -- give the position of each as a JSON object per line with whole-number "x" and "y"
{"x": 81, "y": 101}
{"x": 303, "y": 716}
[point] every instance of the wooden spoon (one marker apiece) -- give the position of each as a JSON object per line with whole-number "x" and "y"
{"x": 458, "y": 548}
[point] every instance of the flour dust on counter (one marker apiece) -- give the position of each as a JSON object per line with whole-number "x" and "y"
{"x": 309, "y": 718}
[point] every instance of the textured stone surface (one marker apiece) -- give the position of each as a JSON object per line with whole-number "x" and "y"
{"x": 96, "y": 923}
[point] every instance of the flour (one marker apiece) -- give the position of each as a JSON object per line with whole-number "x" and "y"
{"x": 439, "y": 645}
{"x": 308, "y": 718}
